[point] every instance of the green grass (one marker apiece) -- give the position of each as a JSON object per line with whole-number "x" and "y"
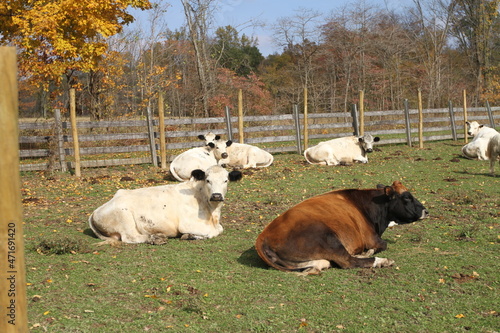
{"x": 446, "y": 277}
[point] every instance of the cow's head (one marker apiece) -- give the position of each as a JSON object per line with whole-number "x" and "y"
{"x": 209, "y": 138}
{"x": 474, "y": 128}
{"x": 366, "y": 142}
{"x": 219, "y": 149}
{"x": 403, "y": 207}
{"x": 215, "y": 181}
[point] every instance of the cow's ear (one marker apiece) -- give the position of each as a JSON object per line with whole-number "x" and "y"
{"x": 211, "y": 145}
{"x": 228, "y": 143}
{"x": 235, "y": 175}
{"x": 467, "y": 122}
{"x": 389, "y": 191}
{"x": 217, "y": 137}
{"x": 198, "y": 174}
{"x": 481, "y": 126}
{"x": 201, "y": 137}
{"x": 380, "y": 186}
{"x": 376, "y": 139}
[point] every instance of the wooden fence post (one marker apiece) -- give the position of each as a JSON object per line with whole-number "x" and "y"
{"x": 466, "y": 138}
{"x": 420, "y": 121}
{"x": 306, "y": 121}
{"x": 240, "y": 117}
{"x": 490, "y": 115}
{"x": 355, "y": 122}
{"x": 361, "y": 112}
{"x": 60, "y": 140}
{"x": 161, "y": 125}
{"x": 13, "y": 304}
{"x": 452, "y": 120}
{"x": 229, "y": 126}
{"x": 408, "y": 123}
{"x": 296, "y": 119}
{"x": 74, "y": 131}
{"x": 152, "y": 145}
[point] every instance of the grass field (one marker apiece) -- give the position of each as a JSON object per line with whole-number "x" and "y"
{"x": 446, "y": 277}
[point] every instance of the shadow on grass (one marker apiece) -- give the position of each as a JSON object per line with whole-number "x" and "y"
{"x": 251, "y": 258}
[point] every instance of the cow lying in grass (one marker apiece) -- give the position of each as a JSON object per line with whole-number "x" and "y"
{"x": 190, "y": 210}
{"x": 341, "y": 150}
{"x": 240, "y": 155}
{"x": 478, "y": 147}
{"x": 198, "y": 158}
{"x": 340, "y": 228}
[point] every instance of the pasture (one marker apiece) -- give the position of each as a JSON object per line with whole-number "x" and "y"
{"x": 446, "y": 276}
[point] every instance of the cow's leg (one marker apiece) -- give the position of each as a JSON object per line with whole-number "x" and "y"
{"x": 337, "y": 253}
{"x": 192, "y": 237}
{"x": 157, "y": 239}
{"x": 366, "y": 254}
{"x": 316, "y": 244}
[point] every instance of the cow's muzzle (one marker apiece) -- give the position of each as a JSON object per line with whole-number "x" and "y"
{"x": 217, "y": 197}
{"x": 369, "y": 150}
{"x": 425, "y": 214}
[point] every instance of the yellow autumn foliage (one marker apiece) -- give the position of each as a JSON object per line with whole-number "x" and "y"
{"x": 56, "y": 36}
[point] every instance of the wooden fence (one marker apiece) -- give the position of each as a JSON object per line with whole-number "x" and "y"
{"x": 136, "y": 141}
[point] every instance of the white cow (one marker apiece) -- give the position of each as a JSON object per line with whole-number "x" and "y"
{"x": 190, "y": 210}
{"x": 478, "y": 147}
{"x": 341, "y": 150}
{"x": 198, "y": 158}
{"x": 209, "y": 137}
{"x": 246, "y": 156}
{"x": 494, "y": 152}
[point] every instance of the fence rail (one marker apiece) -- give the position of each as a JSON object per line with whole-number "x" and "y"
{"x": 49, "y": 140}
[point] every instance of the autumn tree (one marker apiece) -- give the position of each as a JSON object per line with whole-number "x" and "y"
{"x": 475, "y": 26}
{"x": 239, "y": 54}
{"x": 57, "y": 38}
{"x": 199, "y": 19}
{"x": 299, "y": 35}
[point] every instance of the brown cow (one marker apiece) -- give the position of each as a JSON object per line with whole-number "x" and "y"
{"x": 341, "y": 228}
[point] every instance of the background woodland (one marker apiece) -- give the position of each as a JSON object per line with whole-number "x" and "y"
{"x": 441, "y": 47}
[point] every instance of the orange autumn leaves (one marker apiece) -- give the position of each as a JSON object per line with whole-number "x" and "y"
{"x": 57, "y": 36}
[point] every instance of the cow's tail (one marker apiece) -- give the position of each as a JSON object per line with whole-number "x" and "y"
{"x": 306, "y": 155}
{"x": 269, "y": 162}
{"x": 174, "y": 173}
{"x": 271, "y": 258}
{"x": 100, "y": 235}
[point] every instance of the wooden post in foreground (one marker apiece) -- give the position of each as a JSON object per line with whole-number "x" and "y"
{"x": 13, "y": 305}
{"x": 420, "y": 121}
{"x": 240, "y": 116}
{"x": 74, "y": 130}
{"x": 361, "y": 112}
{"x": 306, "y": 123}
{"x": 161, "y": 125}
{"x": 466, "y": 138}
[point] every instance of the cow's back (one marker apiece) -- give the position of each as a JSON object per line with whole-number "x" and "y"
{"x": 333, "y": 151}
{"x": 192, "y": 159}
{"x": 332, "y": 211}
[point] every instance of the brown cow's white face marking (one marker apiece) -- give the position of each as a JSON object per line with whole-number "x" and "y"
{"x": 474, "y": 128}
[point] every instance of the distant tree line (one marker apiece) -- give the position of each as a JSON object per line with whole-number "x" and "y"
{"x": 441, "y": 47}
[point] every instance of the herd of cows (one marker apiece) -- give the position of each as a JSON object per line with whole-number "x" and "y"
{"x": 341, "y": 228}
